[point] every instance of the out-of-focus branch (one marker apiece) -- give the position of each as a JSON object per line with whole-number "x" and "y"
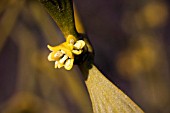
{"x": 7, "y": 21}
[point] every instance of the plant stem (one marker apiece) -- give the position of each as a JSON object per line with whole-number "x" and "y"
{"x": 62, "y": 13}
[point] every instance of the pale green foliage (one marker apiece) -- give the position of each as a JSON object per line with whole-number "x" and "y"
{"x": 106, "y": 97}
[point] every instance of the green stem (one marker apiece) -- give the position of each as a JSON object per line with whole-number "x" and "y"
{"x": 62, "y": 13}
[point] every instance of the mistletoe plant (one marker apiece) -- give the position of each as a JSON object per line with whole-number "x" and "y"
{"x": 105, "y": 96}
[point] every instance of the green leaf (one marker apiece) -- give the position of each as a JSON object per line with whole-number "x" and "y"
{"x": 106, "y": 97}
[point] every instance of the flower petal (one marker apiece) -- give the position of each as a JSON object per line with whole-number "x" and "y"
{"x": 62, "y": 60}
{"x": 69, "y": 64}
{"x": 50, "y": 57}
{"x": 58, "y": 54}
{"x": 77, "y": 52}
{"x": 56, "y": 64}
{"x": 71, "y": 39}
{"x": 60, "y": 65}
{"x": 79, "y": 44}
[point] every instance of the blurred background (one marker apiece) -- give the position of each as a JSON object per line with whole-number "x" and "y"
{"x": 131, "y": 40}
{"x": 132, "y": 49}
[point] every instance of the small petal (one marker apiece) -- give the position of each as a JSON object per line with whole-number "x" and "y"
{"x": 60, "y": 65}
{"x": 62, "y": 51}
{"x": 71, "y": 39}
{"x": 56, "y": 64}
{"x": 62, "y": 60}
{"x": 58, "y": 54}
{"x": 79, "y": 44}
{"x": 50, "y": 47}
{"x": 77, "y": 52}
{"x": 50, "y": 58}
{"x": 69, "y": 64}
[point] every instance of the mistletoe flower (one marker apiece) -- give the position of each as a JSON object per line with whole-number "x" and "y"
{"x": 63, "y": 54}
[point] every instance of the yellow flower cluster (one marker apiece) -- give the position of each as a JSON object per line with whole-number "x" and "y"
{"x": 63, "y": 54}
